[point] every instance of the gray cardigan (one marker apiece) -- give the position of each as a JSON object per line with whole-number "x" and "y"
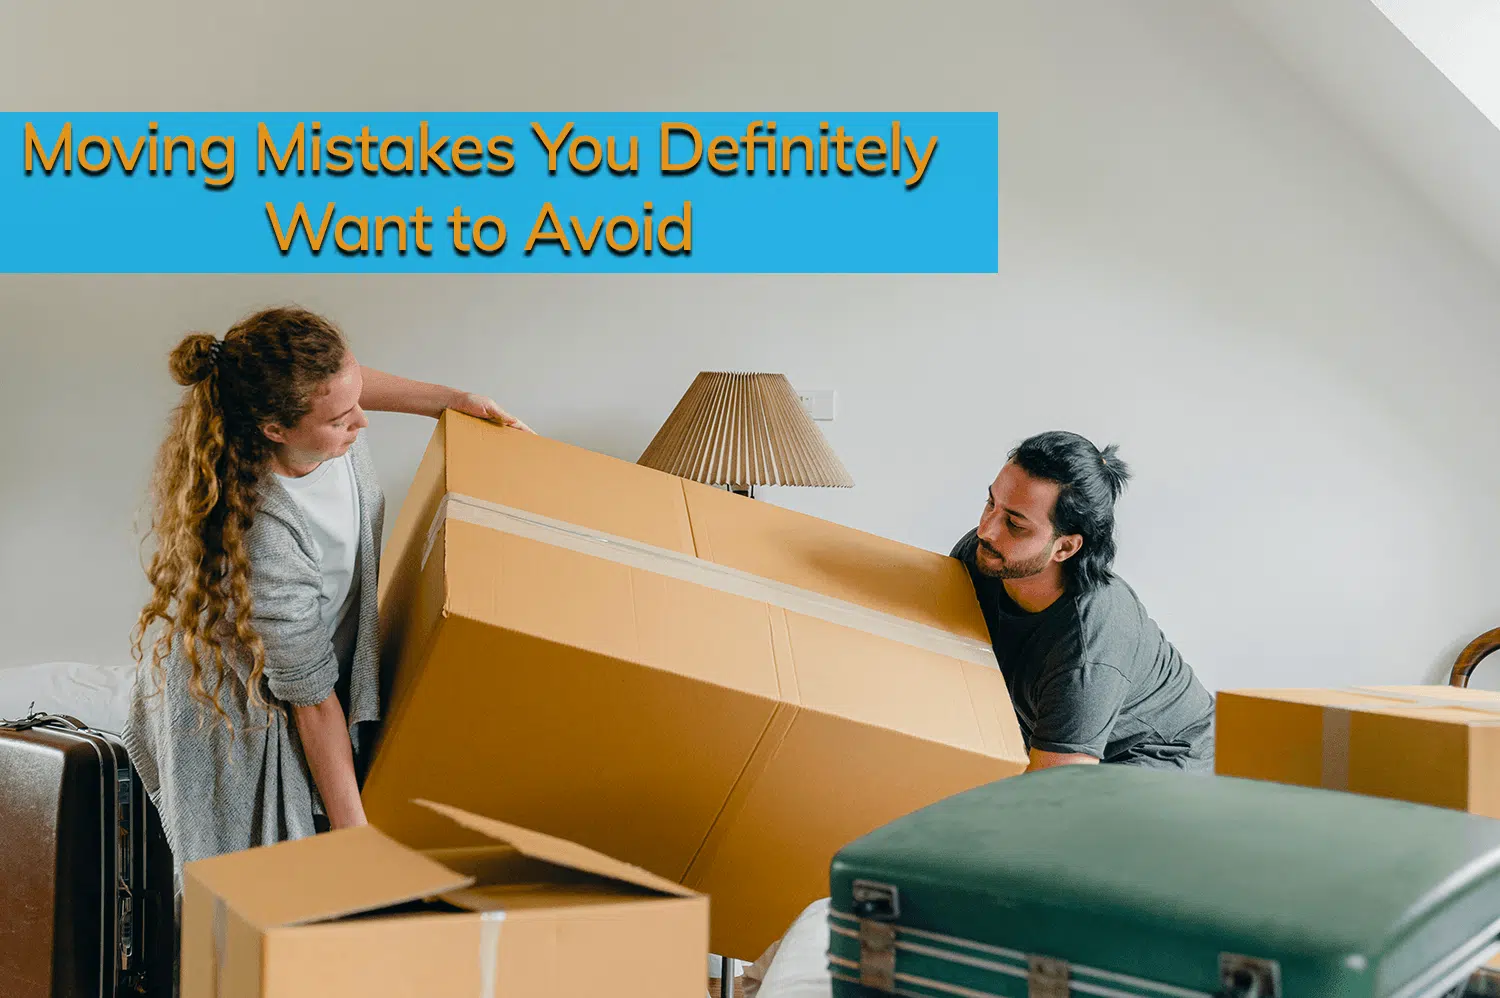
{"x": 218, "y": 794}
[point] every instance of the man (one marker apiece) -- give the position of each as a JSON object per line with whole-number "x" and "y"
{"x": 1091, "y": 676}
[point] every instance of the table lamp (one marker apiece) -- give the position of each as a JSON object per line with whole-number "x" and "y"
{"x": 740, "y": 430}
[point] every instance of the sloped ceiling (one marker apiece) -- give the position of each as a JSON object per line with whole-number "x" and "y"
{"x": 1409, "y": 113}
{"x": 1461, "y": 38}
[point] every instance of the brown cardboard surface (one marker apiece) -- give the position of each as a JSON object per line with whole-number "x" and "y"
{"x": 770, "y": 845}
{"x": 863, "y": 568}
{"x": 1433, "y": 745}
{"x": 557, "y": 851}
{"x": 706, "y": 687}
{"x": 527, "y": 923}
{"x": 587, "y": 747}
{"x": 325, "y": 876}
{"x": 431, "y": 955}
{"x": 580, "y": 486}
{"x": 198, "y": 967}
{"x": 401, "y": 572}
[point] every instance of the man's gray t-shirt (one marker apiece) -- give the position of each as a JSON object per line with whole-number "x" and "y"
{"x": 1093, "y": 674}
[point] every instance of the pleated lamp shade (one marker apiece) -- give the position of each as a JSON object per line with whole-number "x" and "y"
{"x": 743, "y": 430}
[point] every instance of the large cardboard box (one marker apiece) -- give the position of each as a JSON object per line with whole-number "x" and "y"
{"x": 714, "y": 688}
{"x": 354, "y": 913}
{"x": 1436, "y": 745}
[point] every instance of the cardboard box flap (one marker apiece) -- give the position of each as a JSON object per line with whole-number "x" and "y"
{"x": 542, "y": 475}
{"x": 558, "y": 851}
{"x": 328, "y": 876}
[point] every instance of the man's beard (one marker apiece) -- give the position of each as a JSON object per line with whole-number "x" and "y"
{"x": 1013, "y": 569}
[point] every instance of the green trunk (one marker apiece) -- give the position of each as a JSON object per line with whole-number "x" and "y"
{"x": 1145, "y": 882}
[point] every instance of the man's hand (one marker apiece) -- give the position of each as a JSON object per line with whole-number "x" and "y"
{"x": 1046, "y": 760}
{"x": 487, "y": 408}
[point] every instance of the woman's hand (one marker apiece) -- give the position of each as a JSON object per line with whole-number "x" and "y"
{"x": 487, "y": 408}
{"x": 324, "y": 734}
{"x": 353, "y": 818}
{"x": 382, "y": 392}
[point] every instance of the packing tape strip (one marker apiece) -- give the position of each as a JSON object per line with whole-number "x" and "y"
{"x": 1337, "y": 722}
{"x": 489, "y": 951}
{"x": 688, "y": 568}
{"x": 1427, "y": 700}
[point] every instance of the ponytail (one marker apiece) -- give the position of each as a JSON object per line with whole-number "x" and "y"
{"x": 1116, "y": 472}
{"x": 205, "y": 489}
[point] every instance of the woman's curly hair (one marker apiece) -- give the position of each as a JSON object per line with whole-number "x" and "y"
{"x": 266, "y": 370}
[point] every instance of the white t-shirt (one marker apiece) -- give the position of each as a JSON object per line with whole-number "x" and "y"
{"x": 329, "y": 498}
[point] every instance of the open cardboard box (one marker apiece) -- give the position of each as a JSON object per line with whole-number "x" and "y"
{"x": 355, "y": 913}
{"x": 714, "y": 688}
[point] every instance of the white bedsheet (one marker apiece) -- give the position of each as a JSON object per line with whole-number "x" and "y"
{"x": 97, "y": 695}
{"x": 796, "y": 965}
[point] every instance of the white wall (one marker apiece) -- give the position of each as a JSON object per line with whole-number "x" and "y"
{"x": 1197, "y": 261}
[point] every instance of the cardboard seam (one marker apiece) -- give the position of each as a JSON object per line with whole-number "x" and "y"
{"x": 701, "y": 550}
{"x": 438, "y": 446}
{"x": 756, "y": 763}
{"x": 793, "y": 695}
{"x": 722, "y": 578}
{"x": 392, "y": 723}
{"x": 984, "y": 739}
{"x": 771, "y": 612}
{"x": 758, "y": 759}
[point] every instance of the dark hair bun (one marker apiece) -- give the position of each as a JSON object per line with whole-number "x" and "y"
{"x": 193, "y": 359}
{"x": 1116, "y": 472}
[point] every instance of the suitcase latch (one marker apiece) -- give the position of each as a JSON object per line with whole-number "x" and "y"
{"x": 880, "y": 902}
{"x": 1248, "y": 977}
{"x": 1047, "y": 978}
{"x": 1484, "y": 983}
{"x": 877, "y": 955}
{"x": 877, "y": 906}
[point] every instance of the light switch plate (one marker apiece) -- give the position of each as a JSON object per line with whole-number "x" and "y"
{"x": 820, "y": 403}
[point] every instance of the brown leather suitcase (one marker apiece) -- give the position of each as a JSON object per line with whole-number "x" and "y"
{"x": 86, "y": 893}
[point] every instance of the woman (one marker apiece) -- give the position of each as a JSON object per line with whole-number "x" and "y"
{"x": 252, "y": 721}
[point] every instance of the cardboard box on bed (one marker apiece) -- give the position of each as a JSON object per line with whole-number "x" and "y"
{"x": 354, "y": 913}
{"x": 714, "y": 688}
{"x": 1436, "y": 745}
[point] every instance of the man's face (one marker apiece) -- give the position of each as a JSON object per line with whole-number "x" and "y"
{"x": 1015, "y": 531}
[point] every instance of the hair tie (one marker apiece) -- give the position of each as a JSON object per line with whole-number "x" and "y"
{"x": 214, "y": 349}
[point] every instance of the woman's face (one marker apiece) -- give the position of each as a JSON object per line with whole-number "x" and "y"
{"x": 330, "y": 428}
